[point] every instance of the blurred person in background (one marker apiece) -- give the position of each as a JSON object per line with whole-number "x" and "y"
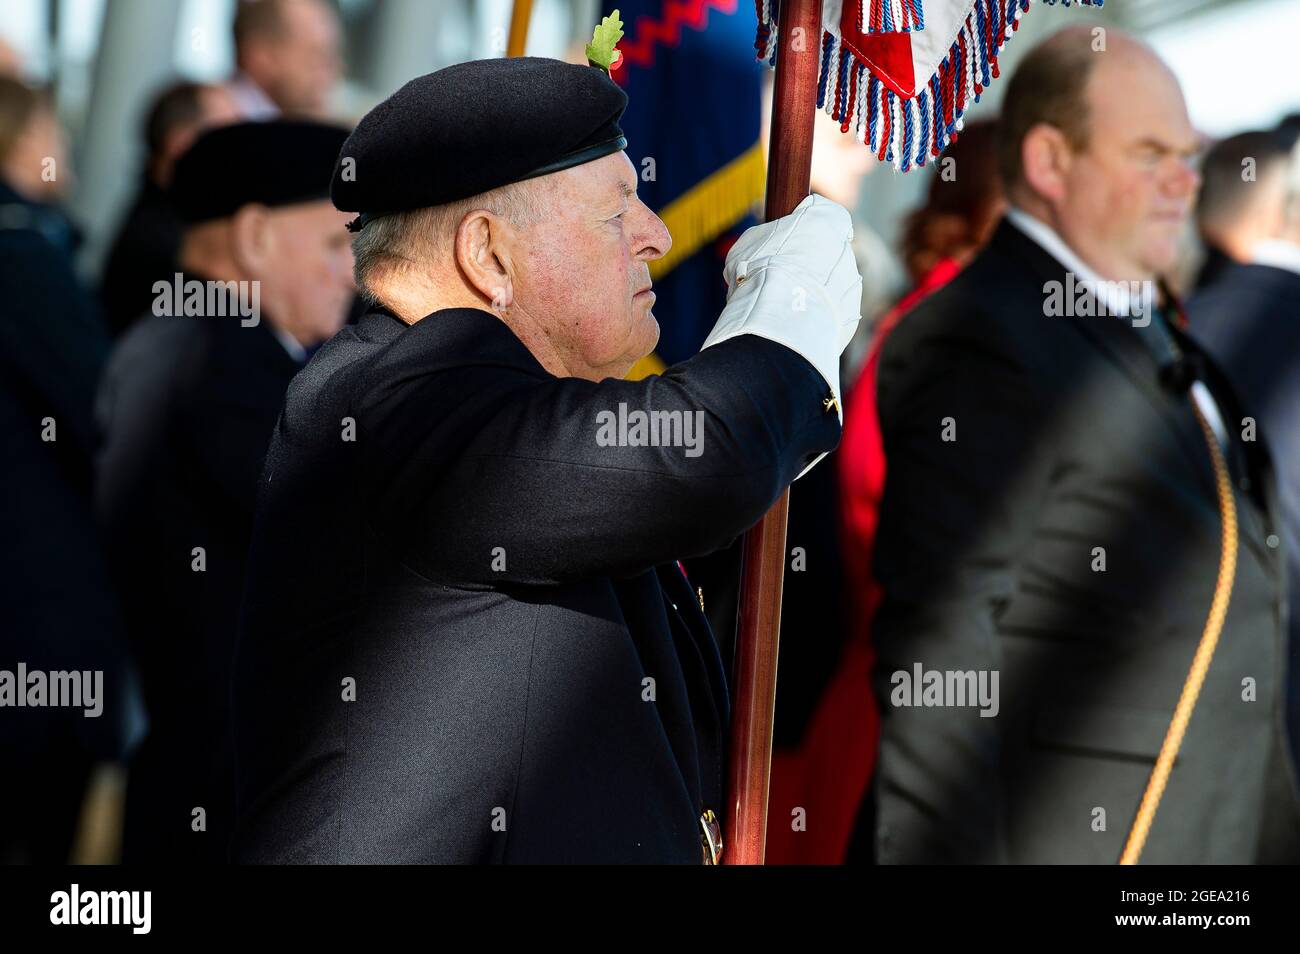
{"x": 1240, "y": 201}
{"x": 11, "y": 61}
{"x": 150, "y": 236}
{"x": 1249, "y": 320}
{"x": 821, "y": 715}
{"x": 288, "y": 57}
{"x": 35, "y": 175}
{"x": 59, "y": 611}
{"x": 187, "y": 408}
{"x": 837, "y": 753}
{"x": 1051, "y": 530}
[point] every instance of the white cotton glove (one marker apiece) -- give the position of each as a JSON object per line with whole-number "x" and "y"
{"x": 795, "y": 281}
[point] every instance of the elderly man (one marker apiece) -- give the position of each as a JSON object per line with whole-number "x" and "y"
{"x": 187, "y": 407}
{"x": 467, "y": 638}
{"x": 1050, "y": 533}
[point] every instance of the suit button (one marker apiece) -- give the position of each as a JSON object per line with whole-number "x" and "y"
{"x": 710, "y": 838}
{"x": 1272, "y": 541}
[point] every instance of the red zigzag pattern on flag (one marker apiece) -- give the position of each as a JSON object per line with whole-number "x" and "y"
{"x": 667, "y": 30}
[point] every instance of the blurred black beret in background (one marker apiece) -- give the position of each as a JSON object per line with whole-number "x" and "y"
{"x": 473, "y": 127}
{"x": 279, "y": 162}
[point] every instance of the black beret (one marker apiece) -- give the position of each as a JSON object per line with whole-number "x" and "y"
{"x": 473, "y": 127}
{"x": 271, "y": 163}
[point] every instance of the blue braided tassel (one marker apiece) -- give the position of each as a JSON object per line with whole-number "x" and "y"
{"x": 827, "y": 40}
{"x": 907, "y": 136}
{"x": 873, "y": 112}
{"x": 923, "y": 108}
{"x": 844, "y": 85}
{"x": 889, "y": 147}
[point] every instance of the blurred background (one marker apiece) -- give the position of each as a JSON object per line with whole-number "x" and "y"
{"x": 105, "y": 59}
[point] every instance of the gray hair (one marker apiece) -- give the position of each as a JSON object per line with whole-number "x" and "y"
{"x": 401, "y": 241}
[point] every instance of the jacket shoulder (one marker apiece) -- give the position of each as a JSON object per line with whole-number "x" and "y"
{"x": 991, "y": 307}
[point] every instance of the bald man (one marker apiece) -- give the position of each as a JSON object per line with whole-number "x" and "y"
{"x": 1050, "y": 534}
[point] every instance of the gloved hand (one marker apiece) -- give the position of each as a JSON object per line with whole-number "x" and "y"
{"x": 794, "y": 280}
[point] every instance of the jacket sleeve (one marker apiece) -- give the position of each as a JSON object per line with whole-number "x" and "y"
{"x": 530, "y": 480}
{"x": 964, "y": 474}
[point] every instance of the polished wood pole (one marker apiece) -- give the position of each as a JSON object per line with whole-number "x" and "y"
{"x": 519, "y": 15}
{"x": 789, "y": 170}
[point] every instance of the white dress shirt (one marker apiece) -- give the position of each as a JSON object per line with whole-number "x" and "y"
{"x": 1117, "y": 299}
{"x": 1284, "y": 255}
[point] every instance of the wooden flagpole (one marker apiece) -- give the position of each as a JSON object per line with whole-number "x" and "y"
{"x": 789, "y": 175}
{"x": 519, "y": 16}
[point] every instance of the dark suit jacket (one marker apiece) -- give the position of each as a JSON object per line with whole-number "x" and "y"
{"x": 143, "y": 252}
{"x": 187, "y": 408}
{"x": 497, "y": 588}
{"x": 1249, "y": 321}
{"x": 1067, "y": 441}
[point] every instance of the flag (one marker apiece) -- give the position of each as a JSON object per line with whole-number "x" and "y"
{"x": 899, "y": 74}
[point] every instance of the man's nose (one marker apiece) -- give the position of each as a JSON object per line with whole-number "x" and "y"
{"x": 1184, "y": 180}
{"x": 653, "y": 238}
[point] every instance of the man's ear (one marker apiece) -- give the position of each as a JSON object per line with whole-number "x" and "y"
{"x": 483, "y": 242}
{"x": 1045, "y": 157}
{"x": 251, "y": 240}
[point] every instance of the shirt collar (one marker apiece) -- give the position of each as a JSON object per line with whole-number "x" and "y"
{"x": 1276, "y": 254}
{"x": 289, "y": 343}
{"x": 251, "y": 100}
{"x": 1116, "y": 296}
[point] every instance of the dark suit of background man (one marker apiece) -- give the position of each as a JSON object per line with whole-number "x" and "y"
{"x": 1249, "y": 320}
{"x": 1071, "y": 448}
{"x": 149, "y": 238}
{"x": 467, "y": 637}
{"x": 1240, "y": 200}
{"x": 187, "y": 408}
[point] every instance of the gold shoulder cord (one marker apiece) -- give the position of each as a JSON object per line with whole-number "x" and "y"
{"x": 1146, "y": 814}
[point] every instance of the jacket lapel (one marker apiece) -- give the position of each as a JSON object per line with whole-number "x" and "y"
{"x": 1121, "y": 343}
